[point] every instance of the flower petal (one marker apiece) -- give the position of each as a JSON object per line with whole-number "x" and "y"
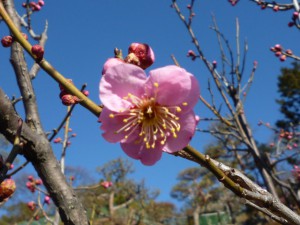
{"x": 111, "y": 62}
{"x": 188, "y": 125}
{"x": 117, "y": 82}
{"x": 193, "y": 97}
{"x": 111, "y": 125}
{"x": 138, "y": 151}
{"x": 174, "y": 85}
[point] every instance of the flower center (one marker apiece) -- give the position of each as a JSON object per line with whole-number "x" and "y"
{"x": 153, "y": 123}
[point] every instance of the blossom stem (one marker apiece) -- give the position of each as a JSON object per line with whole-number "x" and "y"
{"x": 46, "y": 66}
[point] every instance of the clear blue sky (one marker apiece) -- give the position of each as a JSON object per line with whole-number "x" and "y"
{"x": 83, "y": 34}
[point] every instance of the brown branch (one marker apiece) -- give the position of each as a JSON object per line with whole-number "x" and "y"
{"x": 22, "y": 75}
{"x": 242, "y": 186}
{"x": 38, "y": 151}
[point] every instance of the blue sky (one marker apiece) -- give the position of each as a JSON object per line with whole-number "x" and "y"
{"x": 82, "y": 35}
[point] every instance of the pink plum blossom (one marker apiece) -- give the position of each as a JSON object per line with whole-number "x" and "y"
{"x": 111, "y": 62}
{"x": 148, "y": 115}
{"x": 106, "y": 184}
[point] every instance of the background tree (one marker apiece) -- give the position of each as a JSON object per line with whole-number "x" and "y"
{"x": 31, "y": 141}
{"x": 289, "y": 89}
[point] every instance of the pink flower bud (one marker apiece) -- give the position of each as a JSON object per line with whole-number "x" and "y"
{"x": 143, "y": 52}
{"x": 31, "y": 205}
{"x": 214, "y": 63}
{"x": 72, "y": 178}
{"x": 7, "y": 41}
{"x": 289, "y": 137}
{"x": 86, "y": 93}
{"x": 191, "y": 53}
{"x": 277, "y": 54}
{"x": 36, "y": 7}
{"x": 278, "y": 47}
{"x": 289, "y": 52}
{"x": 69, "y": 100}
{"x": 70, "y": 130}
{"x": 111, "y": 62}
{"x": 291, "y": 24}
{"x": 11, "y": 166}
{"x": 275, "y": 8}
{"x": 38, "y": 52}
{"x": 28, "y": 184}
{"x": 41, "y": 2}
{"x": 30, "y": 178}
{"x": 7, "y": 188}
{"x": 263, "y": 6}
{"x": 24, "y": 5}
{"x": 32, "y": 4}
{"x": 189, "y": 6}
{"x": 25, "y": 36}
{"x": 272, "y": 144}
{"x": 74, "y": 135}
{"x": 282, "y": 58}
{"x": 38, "y": 182}
{"x": 47, "y": 200}
{"x": 295, "y": 15}
{"x": 57, "y": 140}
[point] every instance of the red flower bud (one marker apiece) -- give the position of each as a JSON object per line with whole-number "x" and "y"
{"x": 214, "y": 63}
{"x": 141, "y": 55}
{"x": 86, "y": 92}
{"x": 278, "y": 47}
{"x": 7, "y": 41}
{"x": 69, "y": 99}
{"x": 41, "y": 2}
{"x": 295, "y": 15}
{"x": 25, "y": 36}
{"x": 282, "y": 58}
{"x": 30, "y": 178}
{"x": 275, "y": 8}
{"x": 31, "y": 205}
{"x": 57, "y": 140}
{"x": 289, "y": 52}
{"x": 277, "y": 54}
{"x": 7, "y": 188}
{"x": 38, "y": 51}
{"x": 38, "y": 182}
{"x": 47, "y": 200}
{"x": 36, "y": 7}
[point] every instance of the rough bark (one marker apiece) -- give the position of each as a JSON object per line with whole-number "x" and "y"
{"x": 37, "y": 150}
